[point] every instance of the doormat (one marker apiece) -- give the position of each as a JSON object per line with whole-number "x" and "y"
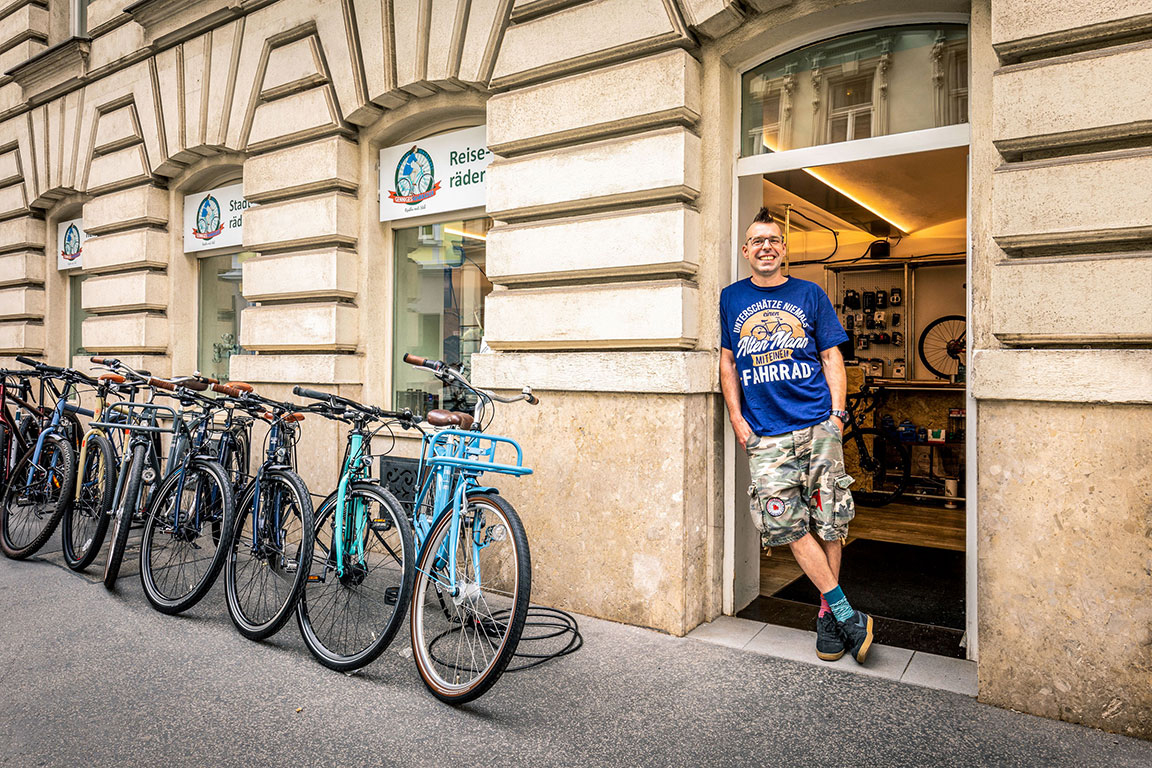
{"x": 915, "y": 593}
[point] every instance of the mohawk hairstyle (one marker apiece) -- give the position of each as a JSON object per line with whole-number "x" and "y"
{"x": 764, "y": 216}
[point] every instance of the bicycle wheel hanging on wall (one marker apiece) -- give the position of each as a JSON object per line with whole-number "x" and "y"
{"x": 943, "y": 344}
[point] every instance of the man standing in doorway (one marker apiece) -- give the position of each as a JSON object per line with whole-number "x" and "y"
{"x": 784, "y": 384}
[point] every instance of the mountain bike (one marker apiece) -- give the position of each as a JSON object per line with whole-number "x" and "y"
{"x": 473, "y": 570}
{"x": 271, "y": 553}
{"x": 362, "y": 564}
{"x": 43, "y": 479}
{"x": 880, "y": 460}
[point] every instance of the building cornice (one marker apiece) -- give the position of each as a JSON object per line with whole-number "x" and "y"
{"x": 53, "y": 70}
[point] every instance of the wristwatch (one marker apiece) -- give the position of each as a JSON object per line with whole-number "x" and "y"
{"x": 842, "y": 415}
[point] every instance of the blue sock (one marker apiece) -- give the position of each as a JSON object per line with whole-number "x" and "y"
{"x": 838, "y": 603}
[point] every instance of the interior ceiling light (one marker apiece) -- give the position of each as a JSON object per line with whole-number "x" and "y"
{"x": 855, "y": 199}
{"x": 473, "y": 235}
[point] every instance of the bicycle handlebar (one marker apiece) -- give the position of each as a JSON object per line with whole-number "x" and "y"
{"x": 421, "y": 362}
{"x": 315, "y": 394}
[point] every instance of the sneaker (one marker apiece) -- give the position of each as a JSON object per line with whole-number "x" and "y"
{"x": 829, "y": 644}
{"x": 857, "y": 634}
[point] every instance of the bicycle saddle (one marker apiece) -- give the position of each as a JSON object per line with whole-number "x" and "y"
{"x": 438, "y": 417}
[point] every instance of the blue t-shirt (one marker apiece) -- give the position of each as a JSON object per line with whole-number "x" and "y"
{"x": 776, "y": 335}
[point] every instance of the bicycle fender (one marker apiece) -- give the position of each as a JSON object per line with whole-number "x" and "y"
{"x": 484, "y": 489}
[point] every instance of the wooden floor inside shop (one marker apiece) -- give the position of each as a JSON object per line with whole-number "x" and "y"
{"x": 925, "y": 526}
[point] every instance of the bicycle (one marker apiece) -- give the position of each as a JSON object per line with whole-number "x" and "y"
{"x": 362, "y": 565}
{"x": 271, "y": 554}
{"x": 942, "y": 345}
{"x": 181, "y": 549}
{"x": 473, "y": 570}
{"x": 139, "y": 462}
{"x": 85, "y": 521}
{"x": 883, "y": 462}
{"x": 14, "y": 430}
{"x": 190, "y": 519}
{"x": 43, "y": 479}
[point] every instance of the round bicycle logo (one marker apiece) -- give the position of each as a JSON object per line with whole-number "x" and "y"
{"x": 415, "y": 178}
{"x": 72, "y": 247}
{"x": 208, "y": 221}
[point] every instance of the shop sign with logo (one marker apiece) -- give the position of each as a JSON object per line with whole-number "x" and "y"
{"x": 214, "y": 218}
{"x": 70, "y": 239}
{"x": 434, "y": 175}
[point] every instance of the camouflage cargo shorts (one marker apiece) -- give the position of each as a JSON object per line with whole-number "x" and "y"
{"x": 799, "y": 484}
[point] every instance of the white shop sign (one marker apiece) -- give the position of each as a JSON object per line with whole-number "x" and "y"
{"x": 70, "y": 239}
{"x": 434, "y": 175}
{"x": 215, "y": 218}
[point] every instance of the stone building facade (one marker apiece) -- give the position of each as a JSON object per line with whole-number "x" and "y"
{"x": 612, "y": 196}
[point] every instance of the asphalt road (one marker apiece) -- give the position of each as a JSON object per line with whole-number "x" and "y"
{"x": 92, "y": 678}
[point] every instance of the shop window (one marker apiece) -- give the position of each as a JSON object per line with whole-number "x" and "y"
{"x": 221, "y": 303}
{"x": 850, "y": 116}
{"x": 76, "y": 315}
{"x": 871, "y": 83}
{"x": 439, "y": 308}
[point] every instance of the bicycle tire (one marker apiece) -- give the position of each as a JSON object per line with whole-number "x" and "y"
{"x": 165, "y": 583}
{"x": 123, "y": 515}
{"x": 238, "y": 459}
{"x": 85, "y": 521}
{"x": 942, "y": 343}
{"x": 883, "y": 465}
{"x": 25, "y": 527}
{"x": 267, "y": 564}
{"x": 331, "y": 606}
{"x": 489, "y": 619}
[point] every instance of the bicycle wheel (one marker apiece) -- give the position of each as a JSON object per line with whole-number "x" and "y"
{"x": 125, "y": 510}
{"x": 237, "y": 466}
{"x": 186, "y": 535}
{"x": 463, "y": 639}
{"x": 35, "y": 500}
{"x": 942, "y": 345}
{"x": 85, "y": 521}
{"x": 348, "y": 619}
{"x": 880, "y": 463}
{"x": 271, "y": 554}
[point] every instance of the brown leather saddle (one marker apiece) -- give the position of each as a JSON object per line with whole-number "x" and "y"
{"x": 439, "y": 417}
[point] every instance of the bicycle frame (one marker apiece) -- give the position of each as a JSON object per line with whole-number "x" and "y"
{"x": 62, "y": 406}
{"x": 271, "y": 456}
{"x": 102, "y": 404}
{"x": 451, "y": 463}
{"x": 354, "y": 470}
{"x": 15, "y": 445}
{"x": 141, "y": 421}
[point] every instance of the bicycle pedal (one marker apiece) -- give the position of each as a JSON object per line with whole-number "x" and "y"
{"x": 391, "y": 595}
{"x": 290, "y": 566}
{"x": 380, "y": 525}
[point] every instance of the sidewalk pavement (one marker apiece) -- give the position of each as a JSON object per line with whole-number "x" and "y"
{"x": 99, "y": 679}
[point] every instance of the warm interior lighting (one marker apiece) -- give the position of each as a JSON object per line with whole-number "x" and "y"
{"x": 472, "y": 235}
{"x": 854, "y": 199}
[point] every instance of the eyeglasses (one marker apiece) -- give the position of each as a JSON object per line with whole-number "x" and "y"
{"x": 773, "y": 240}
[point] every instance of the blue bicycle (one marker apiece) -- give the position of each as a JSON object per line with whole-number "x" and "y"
{"x": 473, "y": 570}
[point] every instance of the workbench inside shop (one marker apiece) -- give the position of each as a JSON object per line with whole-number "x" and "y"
{"x": 935, "y": 409}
